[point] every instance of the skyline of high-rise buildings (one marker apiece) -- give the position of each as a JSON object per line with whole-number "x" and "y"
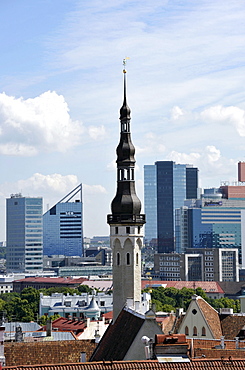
{"x": 167, "y": 186}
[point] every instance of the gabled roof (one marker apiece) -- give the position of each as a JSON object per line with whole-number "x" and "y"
{"x": 211, "y": 316}
{"x": 232, "y": 325}
{"x": 140, "y": 365}
{"x": 119, "y": 336}
{"x": 232, "y": 288}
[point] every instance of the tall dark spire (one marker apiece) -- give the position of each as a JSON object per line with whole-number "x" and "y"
{"x": 126, "y": 206}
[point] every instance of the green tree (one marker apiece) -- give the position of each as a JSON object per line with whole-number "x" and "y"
{"x": 32, "y": 296}
{"x": 64, "y": 290}
{"x": 19, "y": 310}
{"x": 85, "y": 289}
{"x": 44, "y": 318}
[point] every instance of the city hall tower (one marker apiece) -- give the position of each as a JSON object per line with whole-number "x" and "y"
{"x": 126, "y": 222}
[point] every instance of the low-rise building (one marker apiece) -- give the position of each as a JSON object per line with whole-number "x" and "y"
{"x": 67, "y": 305}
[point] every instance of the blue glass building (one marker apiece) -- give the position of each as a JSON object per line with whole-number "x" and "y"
{"x": 216, "y": 225}
{"x": 171, "y": 184}
{"x": 24, "y": 245}
{"x": 63, "y": 226}
{"x": 150, "y": 193}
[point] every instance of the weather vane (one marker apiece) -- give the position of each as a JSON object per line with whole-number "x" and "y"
{"x": 124, "y": 64}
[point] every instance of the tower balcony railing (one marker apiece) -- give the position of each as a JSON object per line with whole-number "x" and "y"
{"x": 125, "y": 218}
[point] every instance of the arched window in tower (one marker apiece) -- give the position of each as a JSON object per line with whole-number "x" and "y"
{"x": 137, "y": 259}
{"x": 194, "y": 331}
{"x": 203, "y": 332}
{"x": 186, "y": 330}
{"x": 128, "y": 258}
{"x": 118, "y": 258}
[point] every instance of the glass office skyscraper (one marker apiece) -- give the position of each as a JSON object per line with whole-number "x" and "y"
{"x": 150, "y": 192}
{"x": 217, "y": 224}
{"x": 171, "y": 184}
{"x": 24, "y": 247}
{"x": 63, "y": 226}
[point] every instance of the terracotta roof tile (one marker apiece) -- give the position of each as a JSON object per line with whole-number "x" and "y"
{"x": 232, "y": 325}
{"x": 224, "y": 364}
{"x": 63, "y": 324}
{"x": 211, "y": 316}
{"x": 56, "y": 280}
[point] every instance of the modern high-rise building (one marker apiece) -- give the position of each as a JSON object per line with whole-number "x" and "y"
{"x": 216, "y": 222}
{"x": 150, "y": 191}
{"x": 167, "y": 186}
{"x": 198, "y": 264}
{"x": 63, "y": 226}
{"x": 24, "y": 246}
{"x": 126, "y": 221}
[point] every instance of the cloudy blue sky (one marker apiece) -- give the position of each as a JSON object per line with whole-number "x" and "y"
{"x": 61, "y": 90}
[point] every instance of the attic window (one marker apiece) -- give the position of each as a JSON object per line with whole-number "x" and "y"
{"x": 203, "y": 332}
{"x": 194, "y": 311}
{"x": 81, "y": 303}
{"x": 194, "y": 331}
{"x": 186, "y": 330}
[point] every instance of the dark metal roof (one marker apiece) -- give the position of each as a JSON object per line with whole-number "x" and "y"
{"x": 126, "y": 327}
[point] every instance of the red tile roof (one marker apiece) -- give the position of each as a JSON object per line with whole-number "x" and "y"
{"x": 207, "y": 286}
{"x": 232, "y": 325}
{"x": 211, "y": 316}
{"x": 204, "y": 364}
{"x": 108, "y": 315}
{"x": 63, "y": 324}
{"x": 56, "y": 280}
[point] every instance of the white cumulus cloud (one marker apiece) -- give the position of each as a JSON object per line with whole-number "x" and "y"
{"x": 227, "y": 115}
{"x": 38, "y": 124}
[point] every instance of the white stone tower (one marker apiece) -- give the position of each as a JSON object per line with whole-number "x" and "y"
{"x": 126, "y": 222}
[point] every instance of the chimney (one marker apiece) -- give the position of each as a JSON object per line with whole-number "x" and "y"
{"x": 49, "y": 327}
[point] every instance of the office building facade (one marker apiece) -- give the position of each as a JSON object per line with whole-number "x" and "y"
{"x": 198, "y": 264}
{"x": 171, "y": 184}
{"x": 215, "y": 221}
{"x": 24, "y": 234}
{"x": 63, "y": 226}
{"x": 150, "y": 193}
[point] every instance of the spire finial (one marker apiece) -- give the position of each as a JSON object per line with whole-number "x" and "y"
{"x": 125, "y": 110}
{"x": 124, "y": 64}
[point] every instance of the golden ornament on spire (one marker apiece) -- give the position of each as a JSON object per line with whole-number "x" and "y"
{"x": 124, "y": 64}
